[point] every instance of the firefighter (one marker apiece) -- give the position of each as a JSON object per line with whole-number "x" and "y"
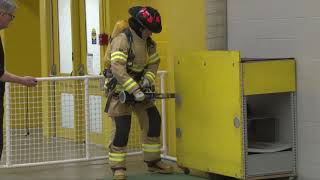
{"x": 134, "y": 63}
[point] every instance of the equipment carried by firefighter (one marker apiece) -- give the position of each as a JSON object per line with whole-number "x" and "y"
{"x": 121, "y": 26}
{"x": 126, "y": 98}
{"x": 148, "y": 91}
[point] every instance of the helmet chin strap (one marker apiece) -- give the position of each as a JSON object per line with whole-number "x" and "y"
{"x": 141, "y": 24}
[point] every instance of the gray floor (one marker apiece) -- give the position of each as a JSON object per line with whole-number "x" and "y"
{"x": 76, "y": 171}
{"x": 81, "y": 171}
{"x": 35, "y": 148}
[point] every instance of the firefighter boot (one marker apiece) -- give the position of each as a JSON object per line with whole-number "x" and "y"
{"x": 159, "y": 166}
{"x": 119, "y": 174}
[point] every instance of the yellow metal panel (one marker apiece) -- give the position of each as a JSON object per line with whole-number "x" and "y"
{"x": 208, "y": 89}
{"x": 269, "y": 76}
{"x": 185, "y": 32}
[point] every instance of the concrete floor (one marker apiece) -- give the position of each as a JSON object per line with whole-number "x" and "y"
{"x": 74, "y": 171}
{"x": 35, "y": 148}
{"x": 82, "y": 171}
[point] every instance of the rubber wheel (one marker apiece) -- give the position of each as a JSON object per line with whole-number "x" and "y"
{"x": 186, "y": 171}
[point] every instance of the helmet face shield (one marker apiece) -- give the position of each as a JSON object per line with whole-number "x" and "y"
{"x": 148, "y": 18}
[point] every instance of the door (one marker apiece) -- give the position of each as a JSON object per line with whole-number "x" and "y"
{"x": 94, "y": 24}
{"x": 67, "y": 62}
{"x": 208, "y": 112}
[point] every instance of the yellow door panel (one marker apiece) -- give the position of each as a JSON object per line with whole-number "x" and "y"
{"x": 209, "y": 101}
{"x": 269, "y": 76}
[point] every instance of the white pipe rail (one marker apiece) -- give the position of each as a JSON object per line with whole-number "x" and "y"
{"x": 87, "y": 117}
{"x": 65, "y": 78}
{"x": 163, "y": 113}
{"x": 8, "y": 124}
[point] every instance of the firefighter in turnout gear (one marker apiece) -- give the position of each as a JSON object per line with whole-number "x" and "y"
{"x": 134, "y": 63}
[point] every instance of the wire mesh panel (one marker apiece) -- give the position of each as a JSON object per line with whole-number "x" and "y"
{"x": 62, "y": 119}
{"x": 48, "y": 122}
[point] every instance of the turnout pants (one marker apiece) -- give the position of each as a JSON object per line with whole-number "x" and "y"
{"x": 150, "y": 124}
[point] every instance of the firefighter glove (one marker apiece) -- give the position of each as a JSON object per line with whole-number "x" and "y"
{"x": 138, "y": 95}
{"x": 145, "y": 83}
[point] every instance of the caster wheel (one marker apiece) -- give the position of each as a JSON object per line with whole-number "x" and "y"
{"x": 186, "y": 171}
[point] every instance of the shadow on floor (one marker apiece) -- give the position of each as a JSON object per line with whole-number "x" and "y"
{"x": 159, "y": 177}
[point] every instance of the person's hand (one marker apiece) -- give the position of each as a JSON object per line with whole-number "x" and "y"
{"x": 28, "y": 81}
{"x": 138, "y": 95}
{"x": 145, "y": 83}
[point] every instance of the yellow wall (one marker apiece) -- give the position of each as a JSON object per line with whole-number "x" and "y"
{"x": 22, "y": 40}
{"x": 22, "y": 52}
{"x": 183, "y": 30}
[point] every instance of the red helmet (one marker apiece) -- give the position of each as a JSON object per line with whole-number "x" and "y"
{"x": 148, "y": 17}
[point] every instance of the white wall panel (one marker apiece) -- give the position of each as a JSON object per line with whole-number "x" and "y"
{"x": 286, "y": 28}
{"x": 216, "y": 24}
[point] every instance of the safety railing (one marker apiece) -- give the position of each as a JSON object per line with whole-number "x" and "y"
{"x": 62, "y": 120}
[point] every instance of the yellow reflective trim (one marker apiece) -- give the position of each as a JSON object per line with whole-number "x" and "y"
{"x": 151, "y": 74}
{"x": 152, "y": 151}
{"x": 116, "y": 159}
{"x": 136, "y": 69}
{"x": 154, "y": 58}
{"x": 153, "y": 55}
{"x": 148, "y": 76}
{"x": 131, "y": 86}
{"x": 117, "y": 154}
{"x": 151, "y": 145}
{"x": 127, "y": 82}
{"x": 118, "y": 57}
{"x": 119, "y": 53}
{"x": 153, "y": 61}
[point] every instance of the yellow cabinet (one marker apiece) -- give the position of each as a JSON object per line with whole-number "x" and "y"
{"x": 268, "y": 76}
{"x": 235, "y": 117}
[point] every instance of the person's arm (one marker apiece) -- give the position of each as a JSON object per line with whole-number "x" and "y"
{"x": 26, "y": 80}
{"x": 152, "y": 63}
{"x": 119, "y": 56}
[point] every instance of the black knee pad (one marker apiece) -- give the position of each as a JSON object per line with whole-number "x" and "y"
{"x": 154, "y": 122}
{"x": 123, "y": 125}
